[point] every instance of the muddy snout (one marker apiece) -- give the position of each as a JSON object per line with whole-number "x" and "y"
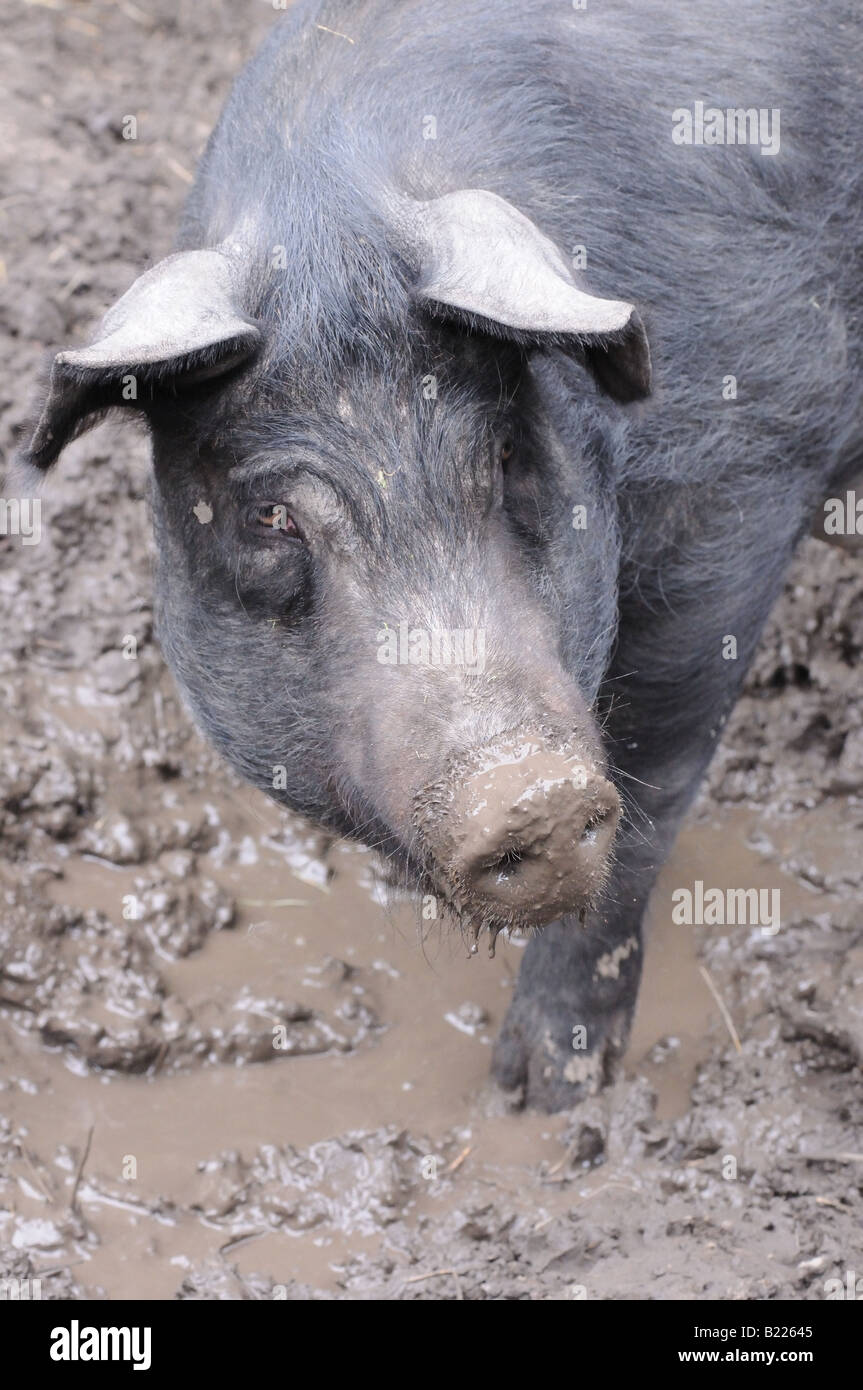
{"x": 526, "y": 834}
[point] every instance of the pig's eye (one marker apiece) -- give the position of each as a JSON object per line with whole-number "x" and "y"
{"x": 274, "y": 519}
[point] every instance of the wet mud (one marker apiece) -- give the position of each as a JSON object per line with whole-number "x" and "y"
{"x": 235, "y": 1065}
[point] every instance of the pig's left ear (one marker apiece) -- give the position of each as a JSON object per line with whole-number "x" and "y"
{"x": 179, "y": 322}
{"x": 483, "y": 258}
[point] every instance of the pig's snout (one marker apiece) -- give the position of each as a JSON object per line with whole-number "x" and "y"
{"x": 526, "y": 835}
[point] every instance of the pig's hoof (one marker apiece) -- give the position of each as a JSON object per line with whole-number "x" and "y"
{"x": 541, "y": 1063}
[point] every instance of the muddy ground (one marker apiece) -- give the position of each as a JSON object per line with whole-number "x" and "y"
{"x": 158, "y": 920}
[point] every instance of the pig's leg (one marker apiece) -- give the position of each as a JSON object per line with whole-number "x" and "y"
{"x": 569, "y": 1020}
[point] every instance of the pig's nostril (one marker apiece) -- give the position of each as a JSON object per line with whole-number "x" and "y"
{"x": 505, "y": 865}
{"x": 593, "y": 826}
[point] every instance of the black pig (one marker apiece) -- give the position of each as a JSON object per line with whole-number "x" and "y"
{"x": 518, "y": 331}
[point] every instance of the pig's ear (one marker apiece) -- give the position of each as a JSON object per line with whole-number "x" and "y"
{"x": 178, "y": 323}
{"x": 484, "y": 259}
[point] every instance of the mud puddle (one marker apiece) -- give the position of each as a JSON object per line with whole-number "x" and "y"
{"x": 418, "y": 1065}
{"x": 678, "y": 1014}
{"x": 370, "y": 1137}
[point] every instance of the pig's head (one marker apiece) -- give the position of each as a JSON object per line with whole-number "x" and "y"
{"x": 387, "y": 532}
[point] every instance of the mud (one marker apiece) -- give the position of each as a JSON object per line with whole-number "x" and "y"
{"x": 234, "y": 1066}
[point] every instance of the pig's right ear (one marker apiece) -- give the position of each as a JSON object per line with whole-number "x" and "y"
{"x": 484, "y": 262}
{"x": 179, "y": 322}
